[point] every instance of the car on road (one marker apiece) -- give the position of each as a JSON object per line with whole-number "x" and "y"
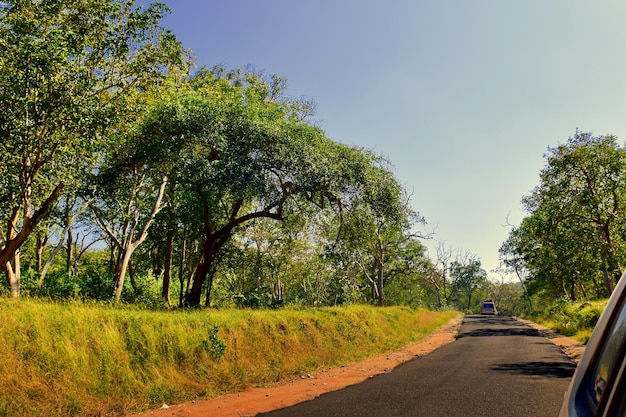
{"x": 598, "y": 387}
{"x": 488, "y": 307}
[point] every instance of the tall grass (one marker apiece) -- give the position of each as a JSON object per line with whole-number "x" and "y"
{"x": 75, "y": 359}
{"x": 576, "y": 320}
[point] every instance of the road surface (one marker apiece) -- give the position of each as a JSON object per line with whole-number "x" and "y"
{"x": 497, "y": 367}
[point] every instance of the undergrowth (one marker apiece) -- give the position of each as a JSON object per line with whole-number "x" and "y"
{"x": 76, "y": 359}
{"x": 576, "y": 320}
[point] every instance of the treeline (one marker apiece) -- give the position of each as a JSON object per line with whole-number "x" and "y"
{"x": 123, "y": 176}
{"x": 572, "y": 243}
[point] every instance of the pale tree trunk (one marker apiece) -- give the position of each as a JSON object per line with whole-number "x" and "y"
{"x": 526, "y": 295}
{"x": 128, "y": 246}
{"x": 14, "y": 275}
{"x": 381, "y": 289}
{"x": 443, "y": 257}
{"x": 374, "y": 276}
{"x": 432, "y": 277}
{"x": 12, "y": 265}
{"x": 70, "y": 244}
{"x": 120, "y": 271}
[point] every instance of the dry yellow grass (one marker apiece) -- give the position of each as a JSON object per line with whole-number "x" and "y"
{"x": 74, "y": 359}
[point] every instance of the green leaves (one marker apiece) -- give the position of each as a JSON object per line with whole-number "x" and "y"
{"x": 574, "y": 233}
{"x": 67, "y": 70}
{"x": 236, "y": 151}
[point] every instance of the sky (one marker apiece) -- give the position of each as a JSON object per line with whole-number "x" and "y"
{"x": 464, "y": 97}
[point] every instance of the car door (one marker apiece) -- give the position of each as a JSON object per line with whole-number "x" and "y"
{"x": 598, "y": 387}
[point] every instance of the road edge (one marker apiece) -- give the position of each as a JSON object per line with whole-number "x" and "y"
{"x": 571, "y": 347}
{"x": 253, "y": 401}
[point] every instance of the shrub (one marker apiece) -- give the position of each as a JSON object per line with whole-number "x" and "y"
{"x": 571, "y": 319}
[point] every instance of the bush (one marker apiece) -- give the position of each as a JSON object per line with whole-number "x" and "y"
{"x": 571, "y": 319}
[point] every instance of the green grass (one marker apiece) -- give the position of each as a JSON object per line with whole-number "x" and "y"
{"x": 575, "y": 320}
{"x": 75, "y": 359}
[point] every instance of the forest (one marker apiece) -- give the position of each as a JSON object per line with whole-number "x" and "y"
{"x": 128, "y": 174}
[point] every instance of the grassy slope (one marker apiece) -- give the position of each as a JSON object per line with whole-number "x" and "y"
{"x": 60, "y": 360}
{"x": 576, "y": 320}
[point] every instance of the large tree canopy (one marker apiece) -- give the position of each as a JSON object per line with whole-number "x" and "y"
{"x": 575, "y": 229}
{"x": 65, "y": 68}
{"x": 237, "y": 151}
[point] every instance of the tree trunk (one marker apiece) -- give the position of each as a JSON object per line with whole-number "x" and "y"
{"x": 439, "y": 304}
{"x": 112, "y": 256}
{"x": 608, "y": 282}
{"x": 120, "y": 273}
{"x": 14, "y": 275}
{"x": 131, "y": 275}
{"x": 279, "y": 290}
{"x": 167, "y": 271}
{"x": 16, "y": 239}
{"x": 202, "y": 272}
{"x": 41, "y": 245}
{"x": 526, "y": 295}
{"x": 446, "y": 296}
{"x": 181, "y": 272}
{"x": 70, "y": 262}
{"x": 209, "y": 287}
{"x": 610, "y": 265}
{"x": 69, "y": 253}
{"x": 572, "y": 291}
{"x": 380, "y": 285}
{"x": 380, "y": 276}
{"x": 129, "y": 246}
{"x": 597, "y": 287}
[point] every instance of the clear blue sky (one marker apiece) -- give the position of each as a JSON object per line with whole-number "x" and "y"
{"x": 463, "y": 96}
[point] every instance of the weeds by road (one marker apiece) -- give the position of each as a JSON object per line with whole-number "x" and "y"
{"x": 75, "y": 359}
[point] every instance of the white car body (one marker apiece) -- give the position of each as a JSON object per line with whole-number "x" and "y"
{"x": 598, "y": 387}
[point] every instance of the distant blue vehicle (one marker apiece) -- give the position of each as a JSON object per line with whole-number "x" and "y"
{"x": 489, "y": 308}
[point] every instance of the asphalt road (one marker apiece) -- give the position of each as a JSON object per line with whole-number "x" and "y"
{"x": 497, "y": 367}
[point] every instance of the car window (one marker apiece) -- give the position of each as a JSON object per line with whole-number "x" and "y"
{"x": 610, "y": 356}
{"x": 622, "y": 407}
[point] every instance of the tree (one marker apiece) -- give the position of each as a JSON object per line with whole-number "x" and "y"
{"x": 125, "y": 209}
{"x": 241, "y": 152}
{"x": 65, "y": 69}
{"x": 512, "y": 262}
{"x": 378, "y": 227}
{"x": 408, "y": 274}
{"x": 468, "y": 276}
{"x": 69, "y": 218}
{"x": 575, "y": 227}
{"x": 440, "y": 281}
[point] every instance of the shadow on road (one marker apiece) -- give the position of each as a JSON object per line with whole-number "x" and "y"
{"x": 508, "y": 327}
{"x": 524, "y": 331}
{"x": 545, "y": 369}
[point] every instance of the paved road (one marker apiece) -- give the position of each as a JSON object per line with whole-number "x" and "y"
{"x": 497, "y": 367}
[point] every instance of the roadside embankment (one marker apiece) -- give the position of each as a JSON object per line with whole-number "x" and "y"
{"x": 75, "y": 359}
